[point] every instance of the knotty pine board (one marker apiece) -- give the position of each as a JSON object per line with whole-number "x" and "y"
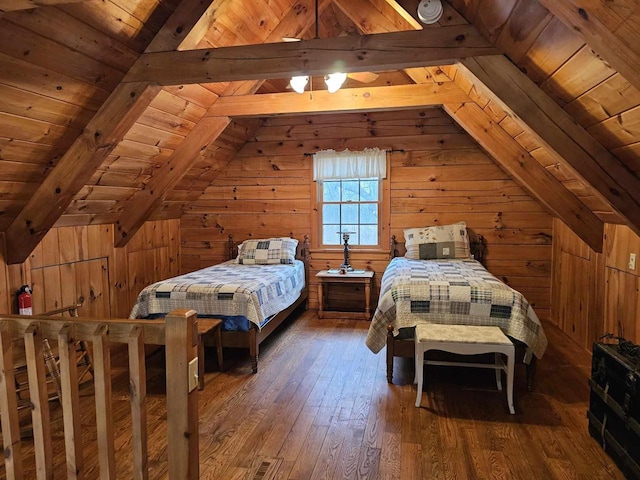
{"x": 613, "y": 96}
{"x": 577, "y": 289}
{"x": 580, "y": 73}
{"x": 430, "y": 182}
{"x": 555, "y": 44}
{"x": 57, "y": 25}
{"x": 80, "y": 264}
{"x": 112, "y": 20}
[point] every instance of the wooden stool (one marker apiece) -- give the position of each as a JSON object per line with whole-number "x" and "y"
{"x": 205, "y": 325}
{"x": 465, "y": 340}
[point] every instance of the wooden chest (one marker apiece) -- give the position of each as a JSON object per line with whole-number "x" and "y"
{"x": 614, "y": 406}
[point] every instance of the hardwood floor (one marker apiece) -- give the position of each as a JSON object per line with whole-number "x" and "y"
{"x": 320, "y": 408}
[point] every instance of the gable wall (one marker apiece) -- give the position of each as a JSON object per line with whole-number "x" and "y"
{"x": 439, "y": 177}
{"x": 80, "y": 265}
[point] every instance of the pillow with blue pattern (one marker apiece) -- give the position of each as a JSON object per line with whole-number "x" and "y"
{"x": 268, "y": 251}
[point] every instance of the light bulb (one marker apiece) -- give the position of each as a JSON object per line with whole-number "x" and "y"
{"x": 334, "y": 81}
{"x": 298, "y": 83}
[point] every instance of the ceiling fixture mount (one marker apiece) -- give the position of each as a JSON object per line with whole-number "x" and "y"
{"x": 430, "y": 11}
{"x": 333, "y": 80}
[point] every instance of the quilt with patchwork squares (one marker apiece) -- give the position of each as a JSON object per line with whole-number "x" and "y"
{"x": 227, "y": 289}
{"x": 453, "y": 292}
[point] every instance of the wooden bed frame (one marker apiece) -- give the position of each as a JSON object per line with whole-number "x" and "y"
{"x": 406, "y": 347}
{"x": 254, "y": 337}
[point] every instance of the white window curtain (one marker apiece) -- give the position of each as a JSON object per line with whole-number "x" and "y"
{"x": 332, "y": 165}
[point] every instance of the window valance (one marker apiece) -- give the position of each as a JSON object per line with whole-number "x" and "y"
{"x": 332, "y": 165}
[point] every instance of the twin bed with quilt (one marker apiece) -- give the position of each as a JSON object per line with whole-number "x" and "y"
{"x": 253, "y": 293}
{"x": 441, "y": 279}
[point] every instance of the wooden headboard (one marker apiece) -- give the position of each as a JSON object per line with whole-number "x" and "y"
{"x": 477, "y": 245}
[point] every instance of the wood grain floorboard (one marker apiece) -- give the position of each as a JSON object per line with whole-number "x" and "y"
{"x": 320, "y": 408}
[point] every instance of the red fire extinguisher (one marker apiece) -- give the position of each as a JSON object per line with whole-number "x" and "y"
{"x": 24, "y": 300}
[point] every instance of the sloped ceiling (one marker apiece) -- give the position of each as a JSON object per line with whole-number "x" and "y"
{"x": 107, "y": 116}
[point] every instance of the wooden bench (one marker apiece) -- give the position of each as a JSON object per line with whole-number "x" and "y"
{"x": 465, "y": 340}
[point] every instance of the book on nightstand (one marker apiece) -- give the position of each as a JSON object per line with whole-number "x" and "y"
{"x": 337, "y": 270}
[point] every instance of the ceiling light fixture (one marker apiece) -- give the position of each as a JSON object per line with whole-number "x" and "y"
{"x": 333, "y": 80}
{"x": 430, "y": 11}
{"x": 299, "y": 82}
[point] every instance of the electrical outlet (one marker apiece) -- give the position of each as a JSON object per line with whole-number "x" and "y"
{"x": 193, "y": 374}
{"x": 632, "y": 261}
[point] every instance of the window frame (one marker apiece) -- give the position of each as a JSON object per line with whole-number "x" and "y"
{"x": 384, "y": 214}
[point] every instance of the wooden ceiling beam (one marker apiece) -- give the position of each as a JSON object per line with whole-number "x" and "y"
{"x": 568, "y": 142}
{"x": 344, "y": 100}
{"x": 101, "y": 135}
{"x": 144, "y": 202}
{"x": 610, "y": 28}
{"x": 140, "y": 206}
{"x": 380, "y": 22}
{"x": 14, "y": 5}
{"x": 526, "y": 169}
{"x": 358, "y": 53}
{"x": 103, "y": 132}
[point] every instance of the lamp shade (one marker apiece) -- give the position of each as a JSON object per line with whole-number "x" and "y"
{"x": 299, "y": 82}
{"x": 334, "y": 81}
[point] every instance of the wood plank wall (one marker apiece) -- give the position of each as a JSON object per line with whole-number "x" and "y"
{"x": 441, "y": 176}
{"x": 593, "y": 293}
{"x": 80, "y": 264}
{"x": 622, "y": 289}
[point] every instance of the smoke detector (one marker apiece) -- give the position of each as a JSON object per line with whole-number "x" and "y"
{"x": 429, "y": 11}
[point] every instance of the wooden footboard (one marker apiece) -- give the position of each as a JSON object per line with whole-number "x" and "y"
{"x": 406, "y": 348}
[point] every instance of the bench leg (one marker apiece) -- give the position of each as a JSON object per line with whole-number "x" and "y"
{"x": 498, "y": 361}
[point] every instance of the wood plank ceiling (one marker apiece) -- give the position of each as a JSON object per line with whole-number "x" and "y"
{"x": 88, "y": 136}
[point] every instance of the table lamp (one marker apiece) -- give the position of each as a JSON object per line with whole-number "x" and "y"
{"x": 345, "y": 266}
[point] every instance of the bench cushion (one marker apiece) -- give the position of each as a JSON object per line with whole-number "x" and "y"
{"x": 461, "y": 334}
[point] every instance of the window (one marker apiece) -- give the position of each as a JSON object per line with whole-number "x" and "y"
{"x": 349, "y": 195}
{"x": 352, "y": 206}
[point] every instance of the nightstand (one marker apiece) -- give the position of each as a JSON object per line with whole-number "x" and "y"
{"x": 327, "y": 280}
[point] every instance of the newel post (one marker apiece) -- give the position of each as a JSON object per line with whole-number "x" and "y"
{"x": 181, "y": 339}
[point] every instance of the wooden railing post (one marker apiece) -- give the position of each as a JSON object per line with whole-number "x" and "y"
{"x": 8, "y": 407}
{"x": 70, "y": 402}
{"x": 40, "y": 417}
{"x": 138, "y": 392}
{"x": 104, "y": 410}
{"x": 181, "y": 340}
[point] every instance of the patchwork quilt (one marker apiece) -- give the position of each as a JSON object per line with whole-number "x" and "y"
{"x": 453, "y": 292}
{"x": 230, "y": 289}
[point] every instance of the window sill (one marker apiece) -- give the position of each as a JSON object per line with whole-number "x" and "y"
{"x": 352, "y": 250}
